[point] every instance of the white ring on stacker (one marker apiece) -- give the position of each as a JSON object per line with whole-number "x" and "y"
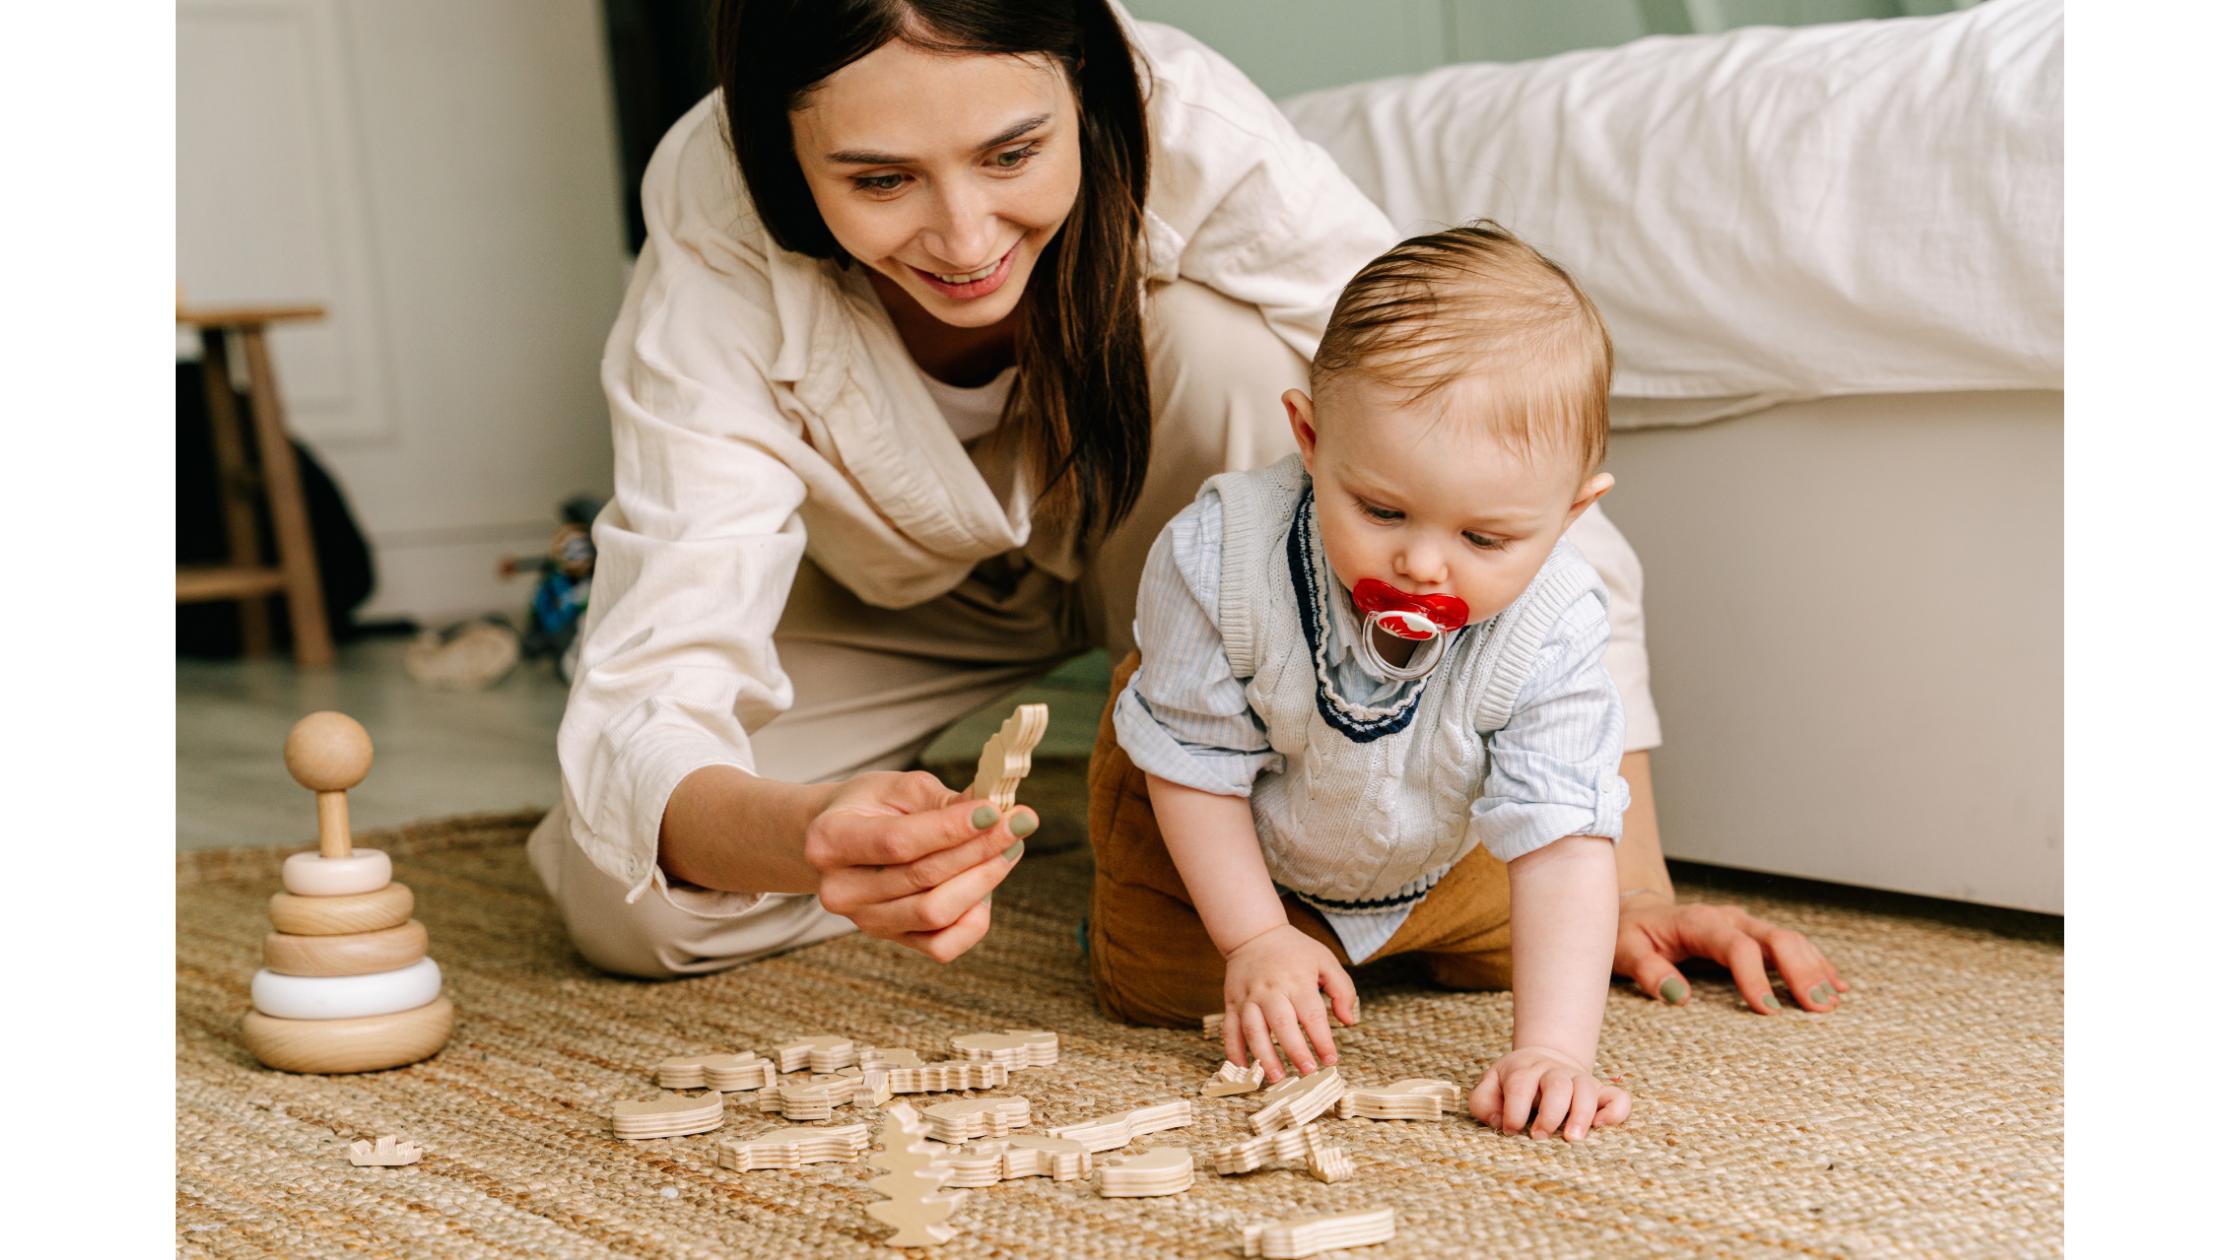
{"x": 346, "y": 997}
{"x": 309, "y": 875}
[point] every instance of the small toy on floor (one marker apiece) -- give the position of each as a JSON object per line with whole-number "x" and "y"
{"x": 911, "y": 1179}
{"x": 1158, "y": 1171}
{"x": 347, "y": 985}
{"x": 1303, "y": 1236}
{"x": 1411, "y": 1099}
{"x": 384, "y": 1152}
{"x": 1232, "y": 1080}
{"x": 672, "y": 1115}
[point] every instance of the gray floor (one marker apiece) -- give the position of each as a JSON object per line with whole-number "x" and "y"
{"x": 438, "y": 753}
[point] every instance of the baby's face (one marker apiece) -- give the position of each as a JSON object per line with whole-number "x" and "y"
{"x": 1432, "y": 506}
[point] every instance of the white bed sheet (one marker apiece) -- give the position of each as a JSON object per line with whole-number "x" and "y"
{"x": 1766, "y": 214}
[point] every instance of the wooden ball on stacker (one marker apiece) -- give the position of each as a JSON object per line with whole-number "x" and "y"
{"x": 329, "y": 752}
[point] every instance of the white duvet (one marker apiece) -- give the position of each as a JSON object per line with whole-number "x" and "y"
{"x": 1771, "y": 213}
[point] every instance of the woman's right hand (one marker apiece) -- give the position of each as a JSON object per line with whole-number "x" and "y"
{"x": 910, "y": 861}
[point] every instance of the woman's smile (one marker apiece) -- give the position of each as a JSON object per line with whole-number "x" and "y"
{"x": 965, "y": 286}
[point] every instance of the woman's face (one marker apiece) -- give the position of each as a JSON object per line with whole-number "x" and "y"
{"x": 945, "y": 173}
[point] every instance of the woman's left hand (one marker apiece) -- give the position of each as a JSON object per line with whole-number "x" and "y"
{"x": 1655, "y": 935}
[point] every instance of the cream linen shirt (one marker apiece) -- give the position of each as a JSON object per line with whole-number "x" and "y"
{"x": 764, "y": 408}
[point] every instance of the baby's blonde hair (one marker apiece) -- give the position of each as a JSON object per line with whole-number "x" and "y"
{"x": 1474, "y": 302}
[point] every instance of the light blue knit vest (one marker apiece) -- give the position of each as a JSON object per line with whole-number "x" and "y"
{"x": 1370, "y": 805}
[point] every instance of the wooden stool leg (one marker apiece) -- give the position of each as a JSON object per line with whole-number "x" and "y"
{"x": 291, "y": 524}
{"x": 240, "y": 515}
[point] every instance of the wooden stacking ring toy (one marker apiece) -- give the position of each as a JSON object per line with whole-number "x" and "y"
{"x": 367, "y": 1044}
{"x": 347, "y": 984}
{"x": 356, "y": 954}
{"x": 335, "y": 916}
{"x": 315, "y": 875}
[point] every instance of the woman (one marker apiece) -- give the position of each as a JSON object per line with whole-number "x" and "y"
{"x": 944, "y": 310}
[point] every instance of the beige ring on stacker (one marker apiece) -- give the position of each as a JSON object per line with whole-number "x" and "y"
{"x": 346, "y": 997}
{"x": 357, "y": 954}
{"x": 309, "y": 875}
{"x": 333, "y": 916}
{"x": 368, "y": 1044}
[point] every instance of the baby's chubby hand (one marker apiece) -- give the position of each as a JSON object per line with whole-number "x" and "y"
{"x": 1273, "y": 996}
{"x": 1551, "y": 1089}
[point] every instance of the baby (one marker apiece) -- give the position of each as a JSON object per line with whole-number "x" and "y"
{"x": 1371, "y": 716}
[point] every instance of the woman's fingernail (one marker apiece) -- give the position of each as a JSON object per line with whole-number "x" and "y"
{"x": 1773, "y": 1004}
{"x": 1017, "y": 847}
{"x": 1024, "y": 822}
{"x": 1822, "y": 993}
{"x": 1672, "y": 990}
{"x": 983, "y": 818}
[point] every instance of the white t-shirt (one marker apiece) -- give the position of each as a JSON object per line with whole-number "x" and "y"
{"x": 973, "y": 411}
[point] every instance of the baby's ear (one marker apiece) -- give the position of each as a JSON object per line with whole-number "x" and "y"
{"x": 1300, "y": 409}
{"x": 1590, "y": 490}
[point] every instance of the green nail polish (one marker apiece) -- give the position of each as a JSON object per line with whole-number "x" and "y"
{"x": 1017, "y": 847}
{"x": 983, "y": 818}
{"x": 1822, "y": 993}
{"x": 1672, "y": 990}
{"x": 1773, "y": 1003}
{"x": 1024, "y": 823}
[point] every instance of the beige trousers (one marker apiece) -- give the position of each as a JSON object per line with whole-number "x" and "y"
{"x": 874, "y": 686}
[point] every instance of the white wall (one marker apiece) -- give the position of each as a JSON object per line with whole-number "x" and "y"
{"x": 442, "y": 177}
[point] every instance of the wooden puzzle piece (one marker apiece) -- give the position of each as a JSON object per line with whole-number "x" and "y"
{"x": 887, "y": 1056}
{"x": 1160, "y": 1170}
{"x": 1416, "y": 1098}
{"x": 1015, "y": 1048}
{"x": 818, "y": 1054}
{"x": 384, "y": 1152}
{"x": 1059, "y": 1159}
{"x": 1111, "y": 1132}
{"x": 963, "y": 1119}
{"x": 1294, "y": 1102}
{"x": 1311, "y": 1235}
{"x": 794, "y": 1148}
{"x": 1232, "y": 1080}
{"x": 811, "y": 1099}
{"x": 672, "y": 1115}
{"x": 1325, "y": 1159}
{"x": 937, "y": 1078}
{"x": 724, "y": 1071}
{"x": 974, "y": 1166}
{"x": 1008, "y": 755}
{"x": 910, "y": 1177}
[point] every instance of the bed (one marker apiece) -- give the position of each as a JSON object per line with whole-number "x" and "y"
{"x": 1831, "y": 261}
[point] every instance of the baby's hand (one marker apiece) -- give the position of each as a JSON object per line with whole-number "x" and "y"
{"x": 1274, "y": 987}
{"x": 1553, "y": 1090}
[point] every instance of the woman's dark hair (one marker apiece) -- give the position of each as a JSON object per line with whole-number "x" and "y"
{"x": 1083, "y": 392}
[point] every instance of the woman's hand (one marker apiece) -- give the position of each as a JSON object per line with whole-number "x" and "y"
{"x": 1273, "y": 993}
{"x": 910, "y": 861}
{"x": 1655, "y": 935}
{"x": 1551, "y": 1091}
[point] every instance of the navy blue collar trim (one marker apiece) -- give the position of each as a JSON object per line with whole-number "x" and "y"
{"x": 1306, "y": 589}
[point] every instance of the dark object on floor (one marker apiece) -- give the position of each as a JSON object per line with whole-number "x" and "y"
{"x": 345, "y": 563}
{"x": 563, "y": 586}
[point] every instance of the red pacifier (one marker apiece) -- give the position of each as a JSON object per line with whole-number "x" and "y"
{"x": 1412, "y": 617}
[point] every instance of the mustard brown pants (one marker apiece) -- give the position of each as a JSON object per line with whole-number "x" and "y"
{"x": 1150, "y": 957}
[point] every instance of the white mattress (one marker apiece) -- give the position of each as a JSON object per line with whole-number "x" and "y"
{"x": 1770, "y": 213}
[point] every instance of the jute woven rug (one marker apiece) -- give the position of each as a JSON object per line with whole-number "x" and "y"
{"x": 1924, "y": 1118}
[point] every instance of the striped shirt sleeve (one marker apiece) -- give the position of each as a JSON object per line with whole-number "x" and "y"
{"x": 1183, "y": 716}
{"x": 1553, "y": 770}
